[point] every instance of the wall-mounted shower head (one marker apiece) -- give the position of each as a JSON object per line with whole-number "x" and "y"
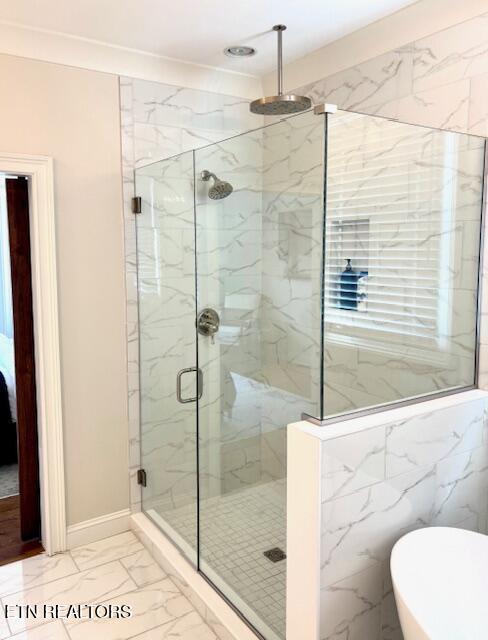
{"x": 220, "y": 189}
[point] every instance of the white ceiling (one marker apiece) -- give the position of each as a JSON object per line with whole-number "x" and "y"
{"x": 197, "y": 31}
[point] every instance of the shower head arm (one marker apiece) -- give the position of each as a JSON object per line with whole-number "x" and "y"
{"x": 280, "y": 104}
{"x": 279, "y": 28}
{"x": 206, "y": 175}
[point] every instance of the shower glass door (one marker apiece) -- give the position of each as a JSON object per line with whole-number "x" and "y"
{"x": 258, "y": 257}
{"x": 165, "y": 235}
{"x": 229, "y": 259}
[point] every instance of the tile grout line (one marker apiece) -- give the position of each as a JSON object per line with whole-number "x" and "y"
{"x": 68, "y": 575}
{"x": 74, "y": 561}
{"x": 160, "y": 626}
{"x": 180, "y": 594}
{"x": 23, "y": 591}
{"x": 105, "y": 562}
{"x": 41, "y": 584}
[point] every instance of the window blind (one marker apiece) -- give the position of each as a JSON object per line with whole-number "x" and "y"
{"x": 390, "y": 212}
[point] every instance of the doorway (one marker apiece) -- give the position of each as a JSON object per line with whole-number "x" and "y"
{"x": 20, "y": 521}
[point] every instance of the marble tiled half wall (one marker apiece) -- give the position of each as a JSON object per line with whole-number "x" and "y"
{"x": 377, "y": 478}
{"x": 440, "y": 81}
{"x": 378, "y": 484}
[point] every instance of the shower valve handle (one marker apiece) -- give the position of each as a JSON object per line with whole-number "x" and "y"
{"x": 208, "y": 322}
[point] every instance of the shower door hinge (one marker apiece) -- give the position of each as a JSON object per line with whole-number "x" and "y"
{"x": 137, "y": 204}
{"x": 141, "y": 477}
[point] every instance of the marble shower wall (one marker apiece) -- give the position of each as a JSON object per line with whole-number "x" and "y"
{"x": 440, "y": 81}
{"x": 166, "y": 259}
{"x": 432, "y": 469}
{"x": 377, "y": 484}
{"x": 293, "y": 179}
{"x": 404, "y": 204}
{"x": 262, "y": 369}
{"x": 290, "y": 317}
{"x": 257, "y": 254}
{"x": 229, "y": 266}
{"x": 159, "y": 121}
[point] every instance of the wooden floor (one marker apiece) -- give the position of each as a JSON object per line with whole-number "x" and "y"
{"x": 11, "y": 546}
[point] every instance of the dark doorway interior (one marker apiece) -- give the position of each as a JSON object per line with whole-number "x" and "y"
{"x": 20, "y": 522}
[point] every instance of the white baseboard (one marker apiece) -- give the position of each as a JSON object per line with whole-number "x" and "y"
{"x": 95, "y": 529}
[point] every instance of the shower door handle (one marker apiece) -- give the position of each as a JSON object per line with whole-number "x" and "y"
{"x": 179, "y": 375}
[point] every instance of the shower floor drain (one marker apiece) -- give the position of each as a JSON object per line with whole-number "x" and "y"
{"x": 275, "y": 555}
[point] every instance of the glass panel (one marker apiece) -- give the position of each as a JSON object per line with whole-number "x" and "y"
{"x": 166, "y": 288}
{"x": 402, "y": 237}
{"x": 259, "y": 253}
{"x": 403, "y": 214}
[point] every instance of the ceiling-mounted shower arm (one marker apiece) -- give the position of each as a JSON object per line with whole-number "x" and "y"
{"x": 282, "y": 103}
{"x": 279, "y": 28}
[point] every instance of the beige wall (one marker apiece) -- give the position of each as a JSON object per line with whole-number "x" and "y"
{"x": 73, "y": 116}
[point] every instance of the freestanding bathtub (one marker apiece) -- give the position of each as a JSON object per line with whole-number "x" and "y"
{"x": 440, "y": 580}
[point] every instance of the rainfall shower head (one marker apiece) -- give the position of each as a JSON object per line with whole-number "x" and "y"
{"x": 283, "y": 103}
{"x": 220, "y": 189}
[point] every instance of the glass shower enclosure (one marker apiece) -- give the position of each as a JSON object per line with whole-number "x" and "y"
{"x": 329, "y": 264}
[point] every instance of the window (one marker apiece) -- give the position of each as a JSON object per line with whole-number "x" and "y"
{"x": 393, "y": 210}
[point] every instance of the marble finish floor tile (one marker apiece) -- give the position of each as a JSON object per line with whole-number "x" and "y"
{"x": 152, "y": 606}
{"x": 32, "y": 572}
{"x": 142, "y": 568}
{"x": 187, "y": 627}
{"x": 4, "y": 628}
{"x": 103, "y": 551}
{"x": 93, "y": 585}
{"x": 123, "y": 572}
{"x": 54, "y": 630}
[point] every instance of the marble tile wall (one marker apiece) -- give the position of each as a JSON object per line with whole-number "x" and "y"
{"x": 242, "y": 267}
{"x": 416, "y": 194}
{"x": 439, "y": 82}
{"x": 229, "y": 265}
{"x": 377, "y": 485}
{"x": 289, "y": 313}
{"x": 165, "y": 236}
{"x": 159, "y": 121}
{"x": 292, "y": 256}
{"x": 433, "y": 470}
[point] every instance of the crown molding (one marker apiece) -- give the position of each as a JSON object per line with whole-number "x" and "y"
{"x": 59, "y": 48}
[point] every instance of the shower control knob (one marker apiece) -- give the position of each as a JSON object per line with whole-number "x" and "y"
{"x": 208, "y": 322}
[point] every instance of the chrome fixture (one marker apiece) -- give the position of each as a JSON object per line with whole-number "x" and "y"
{"x": 239, "y": 51}
{"x": 283, "y": 103}
{"x": 179, "y": 375}
{"x": 208, "y": 322}
{"x": 220, "y": 189}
